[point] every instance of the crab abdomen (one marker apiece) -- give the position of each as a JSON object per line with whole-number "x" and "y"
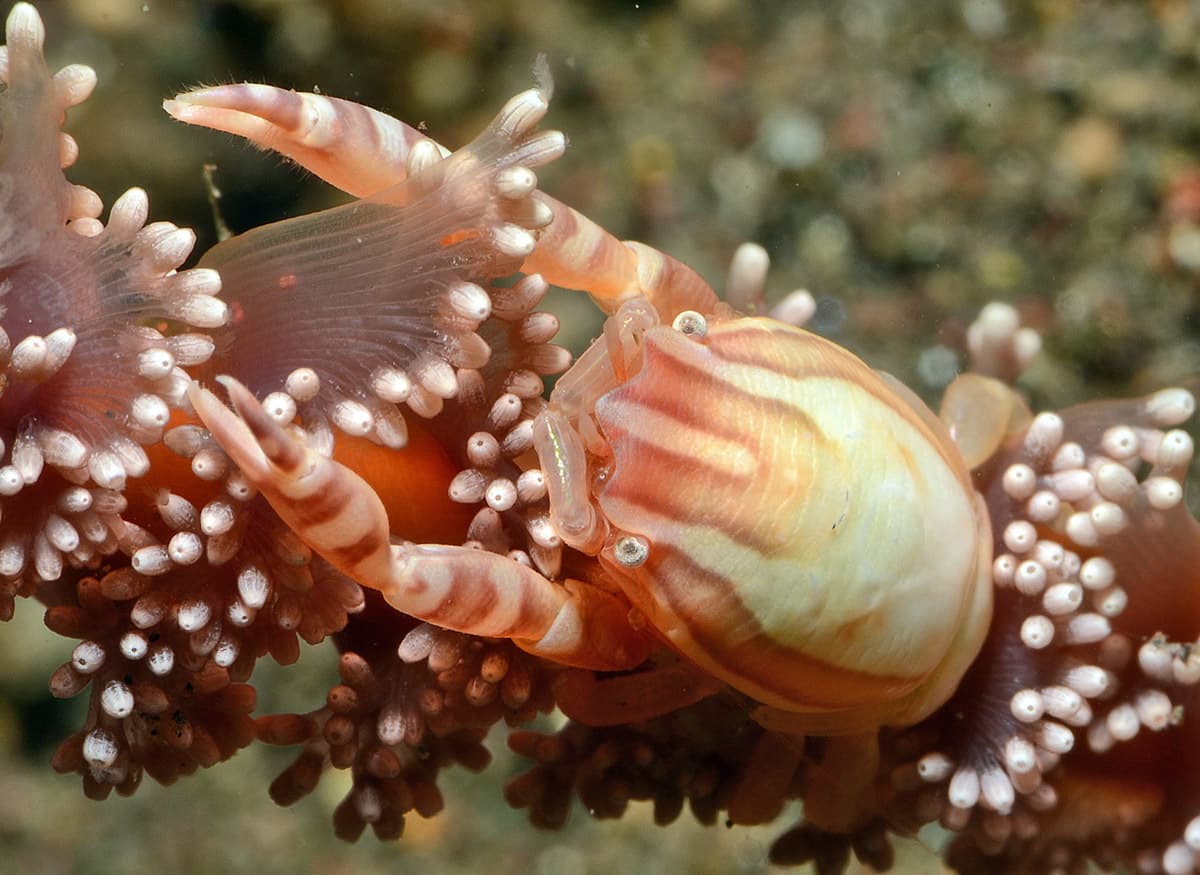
{"x": 813, "y": 538}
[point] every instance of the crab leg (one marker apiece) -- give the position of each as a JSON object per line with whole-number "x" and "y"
{"x": 339, "y": 515}
{"x": 363, "y": 151}
{"x": 576, "y": 253}
{"x": 631, "y": 698}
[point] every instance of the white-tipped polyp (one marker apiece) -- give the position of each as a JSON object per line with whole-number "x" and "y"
{"x": 540, "y": 149}
{"x": 513, "y": 240}
{"x": 423, "y": 154}
{"x": 74, "y": 84}
{"x": 515, "y": 182}
{"x": 202, "y": 311}
{"x": 522, "y": 113}
{"x": 933, "y": 768}
{"x": 24, "y": 28}
{"x": 747, "y": 277}
{"x": 963, "y": 791}
{"x": 1170, "y": 406}
{"x": 1175, "y": 451}
{"x": 1044, "y": 435}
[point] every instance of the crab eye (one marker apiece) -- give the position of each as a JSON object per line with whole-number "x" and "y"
{"x": 691, "y": 323}
{"x": 631, "y": 551}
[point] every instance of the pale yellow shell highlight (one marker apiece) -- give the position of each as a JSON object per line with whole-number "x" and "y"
{"x": 775, "y": 466}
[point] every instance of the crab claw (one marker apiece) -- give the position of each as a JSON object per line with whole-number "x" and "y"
{"x": 339, "y": 515}
{"x": 351, "y": 146}
{"x": 363, "y": 152}
{"x": 327, "y": 504}
{"x": 272, "y": 448}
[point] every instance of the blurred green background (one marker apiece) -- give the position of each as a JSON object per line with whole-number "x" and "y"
{"x": 904, "y": 161}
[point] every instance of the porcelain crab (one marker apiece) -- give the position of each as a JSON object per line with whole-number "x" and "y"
{"x": 784, "y": 519}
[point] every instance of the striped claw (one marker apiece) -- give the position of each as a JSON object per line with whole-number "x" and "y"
{"x": 324, "y": 502}
{"x": 339, "y": 515}
{"x": 358, "y": 149}
{"x": 363, "y": 152}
